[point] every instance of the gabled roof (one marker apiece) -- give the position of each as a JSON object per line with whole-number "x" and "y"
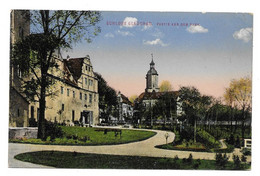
{"x": 125, "y": 100}
{"x": 74, "y": 65}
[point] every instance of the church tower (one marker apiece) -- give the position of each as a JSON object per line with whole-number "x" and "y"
{"x": 152, "y": 79}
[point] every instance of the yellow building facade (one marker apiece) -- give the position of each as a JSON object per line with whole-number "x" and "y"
{"x": 75, "y": 94}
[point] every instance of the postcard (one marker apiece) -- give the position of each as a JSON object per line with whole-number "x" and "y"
{"x": 130, "y": 90}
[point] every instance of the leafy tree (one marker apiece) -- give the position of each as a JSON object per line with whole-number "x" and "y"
{"x": 51, "y": 30}
{"x": 194, "y": 105}
{"x": 107, "y": 97}
{"x": 132, "y": 98}
{"x": 165, "y": 107}
{"x": 240, "y": 91}
{"x": 165, "y": 86}
{"x": 230, "y": 101}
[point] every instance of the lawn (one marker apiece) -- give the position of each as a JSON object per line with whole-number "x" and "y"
{"x": 92, "y": 136}
{"x": 85, "y": 160}
{"x": 198, "y": 147}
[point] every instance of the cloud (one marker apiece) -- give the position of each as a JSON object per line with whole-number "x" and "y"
{"x": 146, "y": 27}
{"x": 155, "y": 42}
{"x": 124, "y": 33}
{"x": 109, "y": 35}
{"x": 158, "y": 34}
{"x": 196, "y": 29}
{"x": 245, "y": 34}
{"x": 129, "y": 22}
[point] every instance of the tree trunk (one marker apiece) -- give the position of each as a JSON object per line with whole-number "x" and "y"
{"x": 42, "y": 105}
{"x": 195, "y": 127}
{"x": 231, "y": 119}
{"x": 243, "y": 123}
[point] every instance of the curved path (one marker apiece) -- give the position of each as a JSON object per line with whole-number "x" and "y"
{"x": 141, "y": 148}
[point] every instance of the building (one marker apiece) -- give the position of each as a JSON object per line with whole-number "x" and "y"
{"x": 74, "y": 99}
{"x": 152, "y": 79}
{"x": 18, "y": 104}
{"x": 125, "y": 108}
{"x": 76, "y": 94}
{"x": 152, "y": 93}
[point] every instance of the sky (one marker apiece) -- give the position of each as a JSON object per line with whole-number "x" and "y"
{"x": 205, "y": 50}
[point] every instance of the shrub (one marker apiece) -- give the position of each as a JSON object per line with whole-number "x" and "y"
{"x": 53, "y": 131}
{"x": 221, "y": 161}
{"x": 231, "y": 140}
{"x": 237, "y": 162}
{"x": 190, "y": 159}
{"x": 176, "y": 158}
{"x": 32, "y": 122}
{"x": 196, "y": 164}
{"x": 243, "y": 159}
{"x": 237, "y": 143}
{"x": 246, "y": 152}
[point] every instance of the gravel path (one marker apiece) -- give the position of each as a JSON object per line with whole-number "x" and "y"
{"x": 142, "y": 148}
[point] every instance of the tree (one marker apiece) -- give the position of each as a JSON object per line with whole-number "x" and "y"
{"x": 107, "y": 97}
{"x": 230, "y": 101}
{"x": 194, "y": 105}
{"x": 165, "y": 86}
{"x": 166, "y": 106}
{"x": 51, "y": 30}
{"x": 240, "y": 91}
{"x": 132, "y": 98}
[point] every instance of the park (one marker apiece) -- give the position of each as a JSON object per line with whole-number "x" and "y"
{"x": 63, "y": 113}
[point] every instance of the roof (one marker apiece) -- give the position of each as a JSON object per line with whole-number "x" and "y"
{"x": 152, "y": 63}
{"x": 152, "y": 71}
{"x": 125, "y": 99}
{"x": 154, "y": 95}
{"x": 75, "y": 66}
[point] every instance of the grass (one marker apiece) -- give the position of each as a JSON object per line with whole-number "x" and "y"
{"x": 85, "y": 160}
{"x": 194, "y": 147}
{"x": 91, "y": 136}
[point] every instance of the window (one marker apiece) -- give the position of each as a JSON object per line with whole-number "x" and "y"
{"x": 68, "y": 92}
{"x": 18, "y": 112}
{"x": 32, "y": 112}
{"x": 38, "y": 113}
{"x": 90, "y": 82}
{"x": 85, "y": 96}
{"x": 73, "y": 115}
{"x": 73, "y": 92}
{"x": 90, "y": 98}
{"x": 21, "y": 33}
{"x": 80, "y": 95}
{"x": 62, "y": 107}
{"x": 19, "y": 72}
{"x": 86, "y": 81}
{"x": 86, "y": 68}
{"x": 61, "y": 90}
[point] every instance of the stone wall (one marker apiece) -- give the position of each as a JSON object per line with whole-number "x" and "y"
{"x": 22, "y": 132}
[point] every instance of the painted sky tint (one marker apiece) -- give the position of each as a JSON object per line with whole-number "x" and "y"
{"x": 205, "y": 50}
